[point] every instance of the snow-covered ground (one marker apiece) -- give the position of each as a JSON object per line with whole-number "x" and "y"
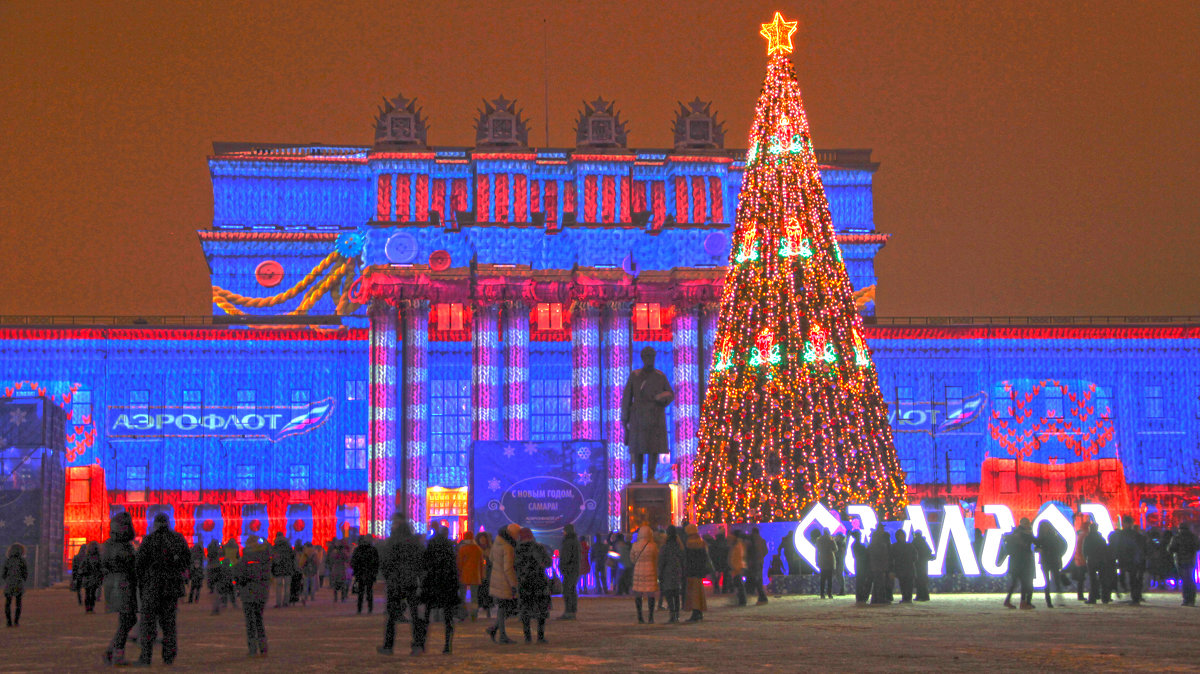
{"x": 952, "y": 632}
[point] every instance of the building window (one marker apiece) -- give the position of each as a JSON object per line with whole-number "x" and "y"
{"x": 245, "y": 479}
{"x": 549, "y": 323}
{"x": 300, "y": 397}
{"x": 904, "y": 402}
{"x": 909, "y": 466}
{"x": 550, "y": 394}
{"x": 139, "y": 402}
{"x": 298, "y": 483}
{"x": 356, "y": 452}
{"x": 81, "y": 406}
{"x": 1104, "y": 404}
{"x": 79, "y": 485}
{"x": 1058, "y": 479}
{"x": 954, "y": 402}
{"x": 1153, "y": 397}
{"x": 1003, "y": 402}
{"x": 449, "y": 323}
{"x": 958, "y": 471}
{"x": 1054, "y": 402}
{"x": 652, "y": 322}
{"x": 1008, "y": 479}
{"x": 193, "y": 399}
{"x": 1158, "y": 468}
{"x": 189, "y": 484}
{"x": 356, "y": 389}
{"x": 135, "y": 484}
{"x": 450, "y": 417}
{"x": 246, "y": 398}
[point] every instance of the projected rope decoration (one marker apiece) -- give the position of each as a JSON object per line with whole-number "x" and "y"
{"x": 334, "y": 275}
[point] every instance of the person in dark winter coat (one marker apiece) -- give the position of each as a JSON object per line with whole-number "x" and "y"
{"x": 14, "y": 575}
{"x": 439, "y": 589}
{"x": 923, "y": 554}
{"x": 718, "y": 551}
{"x": 403, "y": 568}
{"x": 296, "y": 588}
{"x": 1129, "y": 546}
{"x": 670, "y": 572}
{"x": 826, "y": 551}
{"x": 1095, "y": 553}
{"x": 212, "y": 575}
{"x": 839, "y": 561}
{"x": 1184, "y": 546}
{"x": 485, "y": 601}
{"x": 533, "y": 588}
{"x": 76, "y": 564}
{"x": 696, "y": 565}
{"x": 1050, "y": 548}
{"x": 862, "y": 569}
{"x": 91, "y": 576}
{"x": 365, "y": 565}
{"x": 253, "y": 574}
{"x": 196, "y": 573}
{"x": 162, "y": 562}
{"x": 756, "y": 556}
{"x": 880, "y": 553}
{"x": 569, "y": 554}
{"x": 120, "y": 583}
{"x": 1019, "y": 547}
{"x": 283, "y": 564}
{"x": 904, "y": 565}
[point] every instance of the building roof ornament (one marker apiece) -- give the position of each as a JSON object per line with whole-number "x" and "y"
{"x": 400, "y": 124}
{"x": 697, "y": 128}
{"x": 600, "y": 126}
{"x": 500, "y": 124}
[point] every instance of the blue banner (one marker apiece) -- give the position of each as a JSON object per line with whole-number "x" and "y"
{"x": 541, "y": 485}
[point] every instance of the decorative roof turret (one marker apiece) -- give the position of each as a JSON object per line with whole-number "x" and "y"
{"x": 697, "y": 128}
{"x": 400, "y": 124}
{"x": 599, "y": 126}
{"x": 500, "y": 125}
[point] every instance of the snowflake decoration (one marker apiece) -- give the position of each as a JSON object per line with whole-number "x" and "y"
{"x": 584, "y": 453}
{"x": 530, "y": 448}
{"x": 494, "y": 484}
{"x": 16, "y": 417}
{"x": 29, "y": 520}
{"x": 509, "y": 451}
{"x": 584, "y": 479}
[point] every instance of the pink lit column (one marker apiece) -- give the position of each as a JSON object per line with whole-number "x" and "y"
{"x": 487, "y": 369}
{"x": 616, "y": 345}
{"x": 516, "y": 371}
{"x": 687, "y": 391}
{"x": 585, "y": 373}
{"x": 382, "y": 428}
{"x": 416, "y": 410}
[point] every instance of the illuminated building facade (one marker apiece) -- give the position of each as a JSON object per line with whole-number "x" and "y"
{"x": 499, "y": 293}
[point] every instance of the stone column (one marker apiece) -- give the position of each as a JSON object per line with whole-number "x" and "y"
{"x": 617, "y": 369}
{"x": 486, "y": 368}
{"x": 381, "y": 430}
{"x": 416, "y": 410}
{"x": 687, "y": 391}
{"x": 516, "y": 371}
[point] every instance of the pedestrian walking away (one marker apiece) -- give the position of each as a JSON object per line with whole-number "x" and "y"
{"x": 14, "y": 575}
{"x": 502, "y": 580}
{"x": 253, "y": 574}
{"x": 162, "y": 562}
{"x": 120, "y": 584}
{"x": 570, "y": 556}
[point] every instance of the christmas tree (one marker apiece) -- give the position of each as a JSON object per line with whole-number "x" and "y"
{"x": 793, "y": 414}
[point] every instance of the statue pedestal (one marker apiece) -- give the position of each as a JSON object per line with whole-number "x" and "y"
{"x": 647, "y": 503}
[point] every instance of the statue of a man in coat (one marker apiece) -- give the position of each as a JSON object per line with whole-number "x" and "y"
{"x": 644, "y": 415}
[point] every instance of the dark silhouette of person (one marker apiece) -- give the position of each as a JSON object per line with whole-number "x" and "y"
{"x": 402, "y": 565}
{"x": 880, "y": 553}
{"x": 1129, "y": 545}
{"x": 862, "y": 569}
{"x": 923, "y": 554}
{"x": 1095, "y": 552}
{"x": 1184, "y": 546}
{"x": 643, "y": 415}
{"x": 904, "y": 565}
{"x": 1018, "y": 545}
{"x": 1050, "y": 548}
{"x": 162, "y": 564}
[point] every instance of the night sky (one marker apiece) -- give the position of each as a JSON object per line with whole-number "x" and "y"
{"x": 1036, "y": 157}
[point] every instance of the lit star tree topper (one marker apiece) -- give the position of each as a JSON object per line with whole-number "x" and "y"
{"x": 793, "y": 414}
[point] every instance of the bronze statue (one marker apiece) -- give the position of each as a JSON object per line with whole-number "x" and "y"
{"x": 644, "y": 416}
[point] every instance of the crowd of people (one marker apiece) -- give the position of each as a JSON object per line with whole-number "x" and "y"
{"x": 429, "y": 577}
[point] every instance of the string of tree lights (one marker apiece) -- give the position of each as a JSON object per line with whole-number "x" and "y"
{"x": 793, "y": 413}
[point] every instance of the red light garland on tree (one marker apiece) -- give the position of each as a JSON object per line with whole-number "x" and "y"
{"x": 793, "y": 413}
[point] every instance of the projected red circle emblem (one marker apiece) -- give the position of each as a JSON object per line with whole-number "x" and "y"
{"x": 255, "y": 525}
{"x": 439, "y": 260}
{"x": 208, "y": 525}
{"x": 298, "y": 525}
{"x": 268, "y": 273}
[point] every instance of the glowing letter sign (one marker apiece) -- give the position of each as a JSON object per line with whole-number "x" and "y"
{"x": 271, "y": 423}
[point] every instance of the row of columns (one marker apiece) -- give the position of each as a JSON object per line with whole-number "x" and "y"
{"x": 501, "y": 382}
